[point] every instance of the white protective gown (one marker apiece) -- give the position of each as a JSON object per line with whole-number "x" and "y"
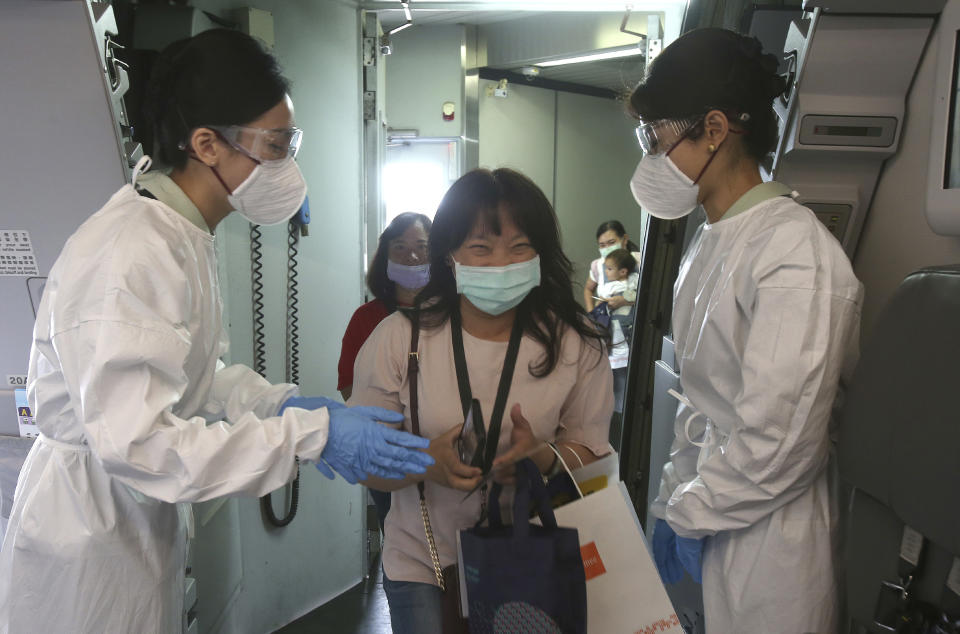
{"x": 136, "y": 413}
{"x": 766, "y": 318}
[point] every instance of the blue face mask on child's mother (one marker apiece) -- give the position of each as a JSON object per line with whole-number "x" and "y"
{"x": 497, "y": 289}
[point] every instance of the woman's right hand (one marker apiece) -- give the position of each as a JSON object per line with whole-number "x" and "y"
{"x": 447, "y": 469}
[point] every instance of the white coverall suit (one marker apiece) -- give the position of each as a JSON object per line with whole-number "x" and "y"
{"x": 766, "y": 317}
{"x": 130, "y": 398}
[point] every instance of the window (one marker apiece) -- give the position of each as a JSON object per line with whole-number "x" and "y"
{"x": 417, "y": 173}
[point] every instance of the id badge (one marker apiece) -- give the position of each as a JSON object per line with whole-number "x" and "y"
{"x": 472, "y": 441}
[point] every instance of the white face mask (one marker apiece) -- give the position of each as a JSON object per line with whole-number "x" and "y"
{"x": 605, "y": 251}
{"x": 272, "y": 193}
{"x": 662, "y": 190}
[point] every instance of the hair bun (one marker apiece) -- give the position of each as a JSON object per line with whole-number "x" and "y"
{"x": 751, "y": 47}
{"x": 776, "y": 86}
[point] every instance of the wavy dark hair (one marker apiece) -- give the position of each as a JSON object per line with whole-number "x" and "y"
{"x": 218, "y": 77}
{"x": 379, "y": 284}
{"x": 617, "y": 227}
{"x": 548, "y": 309}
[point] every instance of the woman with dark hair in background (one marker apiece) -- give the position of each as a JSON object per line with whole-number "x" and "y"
{"x": 599, "y": 290}
{"x": 399, "y": 270}
{"x": 499, "y": 289}
{"x": 610, "y": 236}
{"x": 766, "y": 316}
{"x": 135, "y": 410}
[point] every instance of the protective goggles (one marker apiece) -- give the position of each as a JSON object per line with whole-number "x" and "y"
{"x": 662, "y": 135}
{"x": 260, "y": 144}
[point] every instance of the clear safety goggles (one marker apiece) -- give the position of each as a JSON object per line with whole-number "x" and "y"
{"x": 260, "y": 144}
{"x": 657, "y": 137}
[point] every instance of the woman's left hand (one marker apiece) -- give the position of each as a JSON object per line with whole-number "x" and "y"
{"x": 522, "y": 442}
{"x": 617, "y": 301}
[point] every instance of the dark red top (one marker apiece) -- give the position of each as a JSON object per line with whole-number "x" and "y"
{"x": 363, "y": 322}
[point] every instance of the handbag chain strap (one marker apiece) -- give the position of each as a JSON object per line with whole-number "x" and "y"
{"x": 413, "y": 369}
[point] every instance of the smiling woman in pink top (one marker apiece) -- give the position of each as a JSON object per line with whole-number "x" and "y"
{"x": 499, "y": 289}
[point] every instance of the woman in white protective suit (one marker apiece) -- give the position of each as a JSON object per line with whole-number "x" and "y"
{"x": 766, "y": 317}
{"x": 136, "y": 412}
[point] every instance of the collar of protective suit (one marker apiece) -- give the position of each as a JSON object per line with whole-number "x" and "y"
{"x": 169, "y": 193}
{"x": 756, "y": 195}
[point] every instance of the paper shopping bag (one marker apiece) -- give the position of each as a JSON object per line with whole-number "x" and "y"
{"x": 624, "y": 591}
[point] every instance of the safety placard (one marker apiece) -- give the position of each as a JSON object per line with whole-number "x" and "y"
{"x": 16, "y": 253}
{"x": 28, "y": 427}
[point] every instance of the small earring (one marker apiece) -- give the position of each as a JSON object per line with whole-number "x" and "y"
{"x": 711, "y": 148}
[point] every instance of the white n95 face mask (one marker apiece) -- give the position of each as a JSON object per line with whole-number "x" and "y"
{"x": 662, "y": 190}
{"x": 271, "y": 194}
{"x": 497, "y": 289}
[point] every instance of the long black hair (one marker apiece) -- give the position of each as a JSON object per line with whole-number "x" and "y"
{"x": 219, "y": 77}
{"x": 714, "y": 69}
{"x": 379, "y": 284}
{"x": 548, "y": 309}
{"x": 617, "y": 227}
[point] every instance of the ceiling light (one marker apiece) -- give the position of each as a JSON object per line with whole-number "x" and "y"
{"x": 611, "y": 53}
{"x": 615, "y": 6}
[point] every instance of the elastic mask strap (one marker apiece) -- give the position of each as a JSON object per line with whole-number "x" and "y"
{"x": 713, "y": 156}
{"x": 709, "y": 160}
{"x": 236, "y": 147}
{"x": 215, "y": 173}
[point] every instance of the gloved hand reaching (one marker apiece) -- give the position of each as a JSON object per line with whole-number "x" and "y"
{"x": 665, "y": 552}
{"x": 690, "y": 555}
{"x": 358, "y": 446}
{"x": 310, "y": 402}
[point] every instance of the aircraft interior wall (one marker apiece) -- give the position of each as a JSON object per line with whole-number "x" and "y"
{"x": 896, "y": 237}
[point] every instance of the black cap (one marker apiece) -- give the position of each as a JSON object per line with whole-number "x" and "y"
{"x": 708, "y": 69}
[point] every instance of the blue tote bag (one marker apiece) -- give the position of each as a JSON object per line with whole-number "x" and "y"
{"x": 524, "y": 578}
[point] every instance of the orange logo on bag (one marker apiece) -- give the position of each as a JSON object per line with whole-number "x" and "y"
{"x": 592, "y": 564}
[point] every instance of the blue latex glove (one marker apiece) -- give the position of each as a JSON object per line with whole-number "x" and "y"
{"x": 690, "y": 555}
{"x": 359, "y": 447}
{"x": 310, "y": 402}
{"x": 348, "y": 474}
{"x": 665, "y": 553}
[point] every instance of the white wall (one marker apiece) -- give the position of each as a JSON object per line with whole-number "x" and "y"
{"x": 517, "y": 131}
{"x": 579, "y": 150}
{"x": 425, "y": 70}
{"x": 897, "y": 239}
{"x": 287, "y": 572}
{"x": 597, "y": 153}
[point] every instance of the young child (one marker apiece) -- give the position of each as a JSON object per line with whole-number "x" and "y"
{"x": 622, "y": 278}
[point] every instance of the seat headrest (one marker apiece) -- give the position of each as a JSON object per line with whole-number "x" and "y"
{"x": 900, "y": 427}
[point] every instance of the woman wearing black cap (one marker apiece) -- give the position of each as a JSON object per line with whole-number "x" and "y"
{"x": 766, "y": 315}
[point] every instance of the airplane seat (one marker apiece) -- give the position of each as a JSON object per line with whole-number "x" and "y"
{"x": 899, "y": 446}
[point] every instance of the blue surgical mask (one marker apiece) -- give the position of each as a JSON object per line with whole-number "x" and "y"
{"x": 412, "y": 278}
{"x": 497, "y": 289}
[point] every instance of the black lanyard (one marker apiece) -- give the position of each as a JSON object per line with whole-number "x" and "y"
{"x": 503, "y": 390}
